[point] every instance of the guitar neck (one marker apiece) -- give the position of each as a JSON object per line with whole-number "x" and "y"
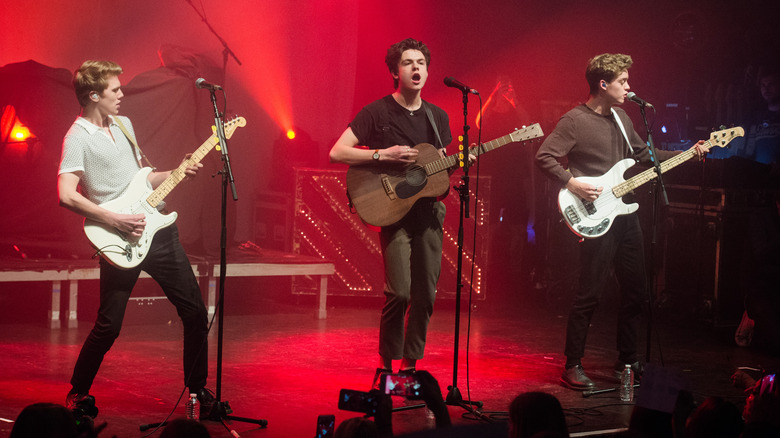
{"x": 451, "y": 161}
{"x": 178, "y": 174}
{"x": 650, "y": 174}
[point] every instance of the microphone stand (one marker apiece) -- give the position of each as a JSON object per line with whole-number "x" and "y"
{"x": 225, "y": 49}
{"x": 222, "y": 409}
{"x": 654, "y": 234}
{"x": 454, "y": 397}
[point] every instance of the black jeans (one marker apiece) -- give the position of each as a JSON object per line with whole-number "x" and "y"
{"x": 167, "y": 264}
{"x": 622, "y": 249}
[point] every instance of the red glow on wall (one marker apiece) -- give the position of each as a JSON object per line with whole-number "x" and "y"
{"x": 12, "y": 130}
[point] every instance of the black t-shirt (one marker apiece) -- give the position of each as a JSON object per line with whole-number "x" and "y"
{"x": 384, "y": 123}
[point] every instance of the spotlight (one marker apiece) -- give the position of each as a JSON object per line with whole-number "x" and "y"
{"x": 20, "y": 133}
{"x": 12, "y": 129}
{"x": 290, "y": 134}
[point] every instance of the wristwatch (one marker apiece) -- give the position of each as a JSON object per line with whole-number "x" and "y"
{"x": 376, "y": 155}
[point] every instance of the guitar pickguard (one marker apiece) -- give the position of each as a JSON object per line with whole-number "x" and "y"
{"x": 414, "y": 182}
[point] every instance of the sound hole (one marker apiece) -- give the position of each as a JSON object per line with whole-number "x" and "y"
{"x": 415, "y": 176}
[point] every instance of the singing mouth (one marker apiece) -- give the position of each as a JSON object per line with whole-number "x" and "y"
{"x": 416, "y": 78}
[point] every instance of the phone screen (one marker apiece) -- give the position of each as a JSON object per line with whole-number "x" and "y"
{"x": 403, "y": 384}
{"x": 358, "y": 401}
{"x": 325, "y": 426}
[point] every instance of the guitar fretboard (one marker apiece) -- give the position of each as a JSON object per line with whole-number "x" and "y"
{"x": 725, "y": 138}
{"x": 451, "y": 161}
{"x": 178, "y": 174}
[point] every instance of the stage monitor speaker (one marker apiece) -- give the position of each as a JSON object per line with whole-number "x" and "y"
{"x": 273, "y": 221}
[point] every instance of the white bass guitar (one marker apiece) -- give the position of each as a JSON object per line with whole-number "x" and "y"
{"x": 593, "y": 219}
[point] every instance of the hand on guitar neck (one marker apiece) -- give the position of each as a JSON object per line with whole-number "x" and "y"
{"x": 589, "y": 192}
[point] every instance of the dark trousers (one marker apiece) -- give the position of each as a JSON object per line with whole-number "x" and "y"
{"x": 620, "y": 249}
{"x": 167, "y": 264}
{"x": 411, "y": 250}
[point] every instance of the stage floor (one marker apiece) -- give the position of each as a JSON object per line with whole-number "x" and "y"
{"x": 283, "y": 365}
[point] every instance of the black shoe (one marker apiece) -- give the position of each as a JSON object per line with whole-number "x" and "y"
{"x": 636, "y": 368}
{"x": 575, "y": 378}
{"x": 82, "y": 405}
{"x": 378, "y": 375}
{"x": 207, "y": 400}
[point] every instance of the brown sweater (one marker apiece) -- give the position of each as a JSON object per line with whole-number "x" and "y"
{"x": 592, "y": 143}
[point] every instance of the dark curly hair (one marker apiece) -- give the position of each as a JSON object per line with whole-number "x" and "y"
{"x": 395, "y": 51}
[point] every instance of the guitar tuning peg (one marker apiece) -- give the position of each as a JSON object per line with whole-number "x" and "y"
{"x": 722, "y": 127}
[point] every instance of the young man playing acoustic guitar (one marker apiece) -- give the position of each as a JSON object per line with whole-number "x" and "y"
{"x": 98, "y": 163}
{"x": 411, "y": 248}
{"x": 591, "y": 138}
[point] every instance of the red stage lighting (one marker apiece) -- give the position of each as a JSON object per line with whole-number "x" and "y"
{"x": 290, "y": 134}
{"x": 20, "y": 133}
{"x": 11, "y": 129}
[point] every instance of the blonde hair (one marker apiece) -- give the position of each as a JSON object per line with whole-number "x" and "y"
{"x": 93, "y": 76}
{"x": 606, "y": 67}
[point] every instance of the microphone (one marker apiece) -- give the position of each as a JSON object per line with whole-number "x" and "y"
{"x": 637, "y": 100}
{"x": 201, "y": 83}
{"x": 454, "y": 83}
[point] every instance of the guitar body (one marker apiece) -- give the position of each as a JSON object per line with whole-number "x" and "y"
{"x": 120, "y": 249}
{"x": 125, "y": 251}
{"x": 382, "y": 195}
{"x": 593, "y": 219}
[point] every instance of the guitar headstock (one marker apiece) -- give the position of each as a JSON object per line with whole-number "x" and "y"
{"x": 232, "y": 124}
{"x": 724, "y": 136}
{"x": 527, "y": 133}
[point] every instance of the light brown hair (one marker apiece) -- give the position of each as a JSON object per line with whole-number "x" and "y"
{"x": 93, "y": 76}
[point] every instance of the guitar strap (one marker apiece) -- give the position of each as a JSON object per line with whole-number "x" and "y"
{"x": 433, "y": 124}
{"x": 623, "y": 130}
{"x": 132, "y": 140}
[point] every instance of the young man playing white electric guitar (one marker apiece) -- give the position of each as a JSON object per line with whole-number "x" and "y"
{"x": 99, "y": 160}
{"x": 591, "y": 137}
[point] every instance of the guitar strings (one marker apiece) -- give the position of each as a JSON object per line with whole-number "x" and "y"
{"x": 607, "y": 198}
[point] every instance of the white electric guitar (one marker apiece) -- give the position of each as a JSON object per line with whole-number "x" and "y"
{"x": 123, "y": 250}
{"x": 593, "y": 219}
